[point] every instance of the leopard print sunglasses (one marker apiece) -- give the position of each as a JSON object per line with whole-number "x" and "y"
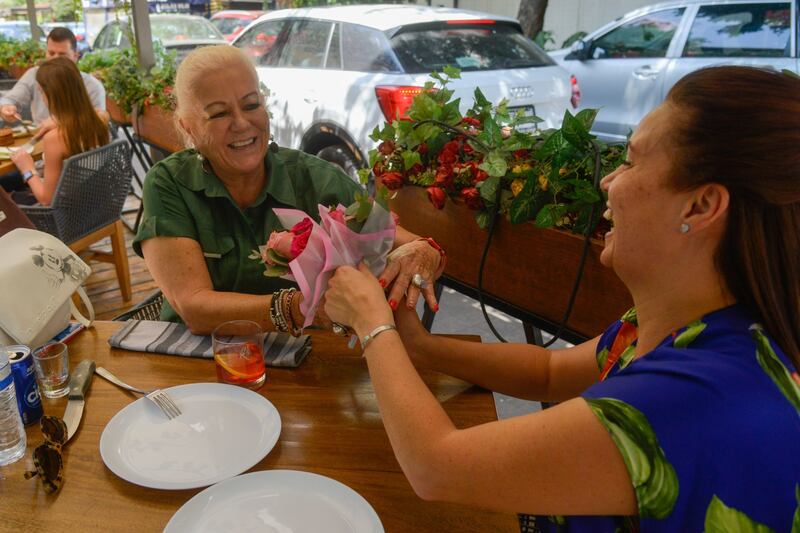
{"x": 47, "y": 456}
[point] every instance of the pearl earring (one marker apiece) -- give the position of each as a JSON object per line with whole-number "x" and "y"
{"x": 684, "y": 228}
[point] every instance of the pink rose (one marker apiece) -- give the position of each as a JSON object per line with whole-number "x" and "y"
{"x": 304, "y": 226}
{"x": 302, "y": 232}
{"x": 279, "y": 242}
{"x": 338, "y": 215}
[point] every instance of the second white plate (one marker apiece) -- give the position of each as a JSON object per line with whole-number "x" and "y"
{"x": 223, "y": 431}
{"x": 276, "y": 501}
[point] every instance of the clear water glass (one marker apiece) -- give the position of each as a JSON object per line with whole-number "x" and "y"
{"x": 51, "y": 362}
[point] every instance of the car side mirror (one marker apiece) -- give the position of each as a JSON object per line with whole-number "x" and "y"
{"x": 579, "y": 51}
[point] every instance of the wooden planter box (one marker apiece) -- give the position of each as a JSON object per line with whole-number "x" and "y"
{"x": 156, "y": 126}
{"x": 531, "y": 268}
{"x": 17, "y": 71}
{"x": 116, "y": 112}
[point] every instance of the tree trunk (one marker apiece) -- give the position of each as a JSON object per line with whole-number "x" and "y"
{"x": 531, "y": 16}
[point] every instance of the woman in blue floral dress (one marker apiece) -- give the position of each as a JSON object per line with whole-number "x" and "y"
{"x": 685, "y": 414}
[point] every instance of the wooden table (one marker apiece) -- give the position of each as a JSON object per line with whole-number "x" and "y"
{"x": 330, "y": 426}
{"x": 6, "y": 165}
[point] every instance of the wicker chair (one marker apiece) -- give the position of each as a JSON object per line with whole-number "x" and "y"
{"x": 87, "y": 204}
{"x": 149, "y": 309}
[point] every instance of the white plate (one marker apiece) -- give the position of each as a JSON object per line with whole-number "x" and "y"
{"x": 223, "y": 431}
{"x": 277, "y": 501}
{"x": 6, "y": 151}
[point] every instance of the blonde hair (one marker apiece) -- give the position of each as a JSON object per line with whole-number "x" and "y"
{"x": 198, "y": 64}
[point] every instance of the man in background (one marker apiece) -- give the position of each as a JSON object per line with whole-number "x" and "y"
{"x": 60, "y": 43}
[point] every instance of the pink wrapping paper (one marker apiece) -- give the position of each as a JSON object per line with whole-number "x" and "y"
{"x": 331, "y": 245}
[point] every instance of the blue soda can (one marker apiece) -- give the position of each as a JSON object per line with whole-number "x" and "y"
{"x": 28, "y": 399}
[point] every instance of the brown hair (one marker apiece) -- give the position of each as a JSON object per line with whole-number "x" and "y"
{"x": 740, "y": 127}
{"x": 69, "y": 104}
{"x": 60, "y": 34}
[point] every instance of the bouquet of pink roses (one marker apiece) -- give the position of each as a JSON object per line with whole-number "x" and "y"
{"x": 308, "y": 253}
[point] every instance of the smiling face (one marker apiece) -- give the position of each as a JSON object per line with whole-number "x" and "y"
{"x": 645, "y": 210}
{"x": 228, "y": 122}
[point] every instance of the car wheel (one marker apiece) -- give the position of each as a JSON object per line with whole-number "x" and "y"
{"x": 340, "y": 155}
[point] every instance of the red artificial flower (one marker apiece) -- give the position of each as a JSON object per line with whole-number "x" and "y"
{"x": 444, "y": 176}
{"x": 416, "y": 168}
{"x": 472, "y": 197}
{"x": 471, "y": 121}
{"x": 437, "y": 197}
{"x": 468, "y": 149}
{"x": 386, "y": 147}
{"x": 378, "y": 168}
{"x": 422, "y": 148}
{"x": 480, "y": 175}
{"x": 521, "y": 154}
{"x": 392, "y": 180}
{"x": 448, "y": 157}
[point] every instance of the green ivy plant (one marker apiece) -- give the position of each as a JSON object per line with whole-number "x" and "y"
{"x": 121, "y": 74}
{"x": 20, "y": 53}
{"x": 482, "y": 159}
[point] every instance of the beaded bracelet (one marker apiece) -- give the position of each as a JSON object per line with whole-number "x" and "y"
{"x": 276, "y": 311}
{"x": 288, "y": 316}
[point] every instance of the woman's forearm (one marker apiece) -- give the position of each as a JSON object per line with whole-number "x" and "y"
{"x": 521, "y": 370}
{"x": 203, "y": 311}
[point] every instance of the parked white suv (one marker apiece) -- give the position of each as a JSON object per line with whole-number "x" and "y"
{"x": 334, "y": 73}
{"x": 627, "y": 67}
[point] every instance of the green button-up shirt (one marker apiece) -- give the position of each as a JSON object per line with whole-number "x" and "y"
{"x": 181, "y": 199}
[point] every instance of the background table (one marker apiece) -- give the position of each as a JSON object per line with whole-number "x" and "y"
{"x": 6, "y": 165}
{"x": 330, "y": 426}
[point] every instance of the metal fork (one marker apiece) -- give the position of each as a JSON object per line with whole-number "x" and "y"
{"x": 159, "y": 397}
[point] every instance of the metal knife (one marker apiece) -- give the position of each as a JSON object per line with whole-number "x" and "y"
{"x": 78, "y": 385}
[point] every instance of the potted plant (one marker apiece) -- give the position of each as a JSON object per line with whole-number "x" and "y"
{"x": 99, "y": 64}
{"x": 535, "y": 191}
{"x": 18, "y": 56}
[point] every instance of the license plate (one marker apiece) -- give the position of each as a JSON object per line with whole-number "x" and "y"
{"x": 528, "y": 111}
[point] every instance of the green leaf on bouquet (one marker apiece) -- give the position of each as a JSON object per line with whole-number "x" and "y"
{"x": 363, "y": 175}
{"x": 359, "y": 209}
{"x": 254, "y": 254}
{"x": 276, "y": 257}
{"x": 276, "y": 271}
{"x": 382, "y": 197}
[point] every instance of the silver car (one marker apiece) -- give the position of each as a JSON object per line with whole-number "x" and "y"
{"x": 627, "y": 67}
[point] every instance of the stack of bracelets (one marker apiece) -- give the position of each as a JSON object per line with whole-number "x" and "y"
{"x": 280, "y": 312}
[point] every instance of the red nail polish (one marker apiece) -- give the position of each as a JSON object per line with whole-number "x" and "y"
{"x": 382, "y": 282}
{"x": 393, "y": 305}
{"x": 435, "y": 308}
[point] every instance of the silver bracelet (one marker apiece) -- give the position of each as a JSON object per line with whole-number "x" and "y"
{"x": 374, "y": 333}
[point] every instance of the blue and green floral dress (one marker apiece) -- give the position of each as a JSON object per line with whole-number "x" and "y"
{"x": 708, "y": 424}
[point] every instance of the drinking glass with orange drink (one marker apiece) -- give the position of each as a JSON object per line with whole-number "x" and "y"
{"x": 239, "y": 353}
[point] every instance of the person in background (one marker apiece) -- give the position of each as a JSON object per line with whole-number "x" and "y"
{"x": 206, "y": 208}
{"x": 60, "y": 43}
{"x": 78, "y": 128}
{"x": 685, "y": 414}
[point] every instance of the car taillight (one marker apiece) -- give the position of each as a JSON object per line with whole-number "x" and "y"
{"x": 395, "y": 100}
{"x": 576, "y": 92}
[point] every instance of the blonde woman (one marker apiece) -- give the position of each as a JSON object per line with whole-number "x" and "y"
{"x": 78, "y": 129}
{"x": 206, "y": 208}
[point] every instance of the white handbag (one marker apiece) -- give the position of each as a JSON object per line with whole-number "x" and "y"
{"x": 38, "y": 275}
